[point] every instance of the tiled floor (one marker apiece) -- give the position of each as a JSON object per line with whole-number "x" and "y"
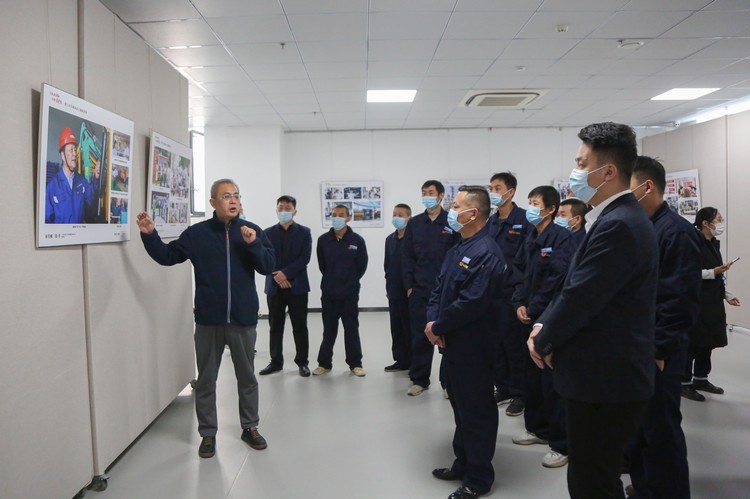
{"x": 338, "y": 436}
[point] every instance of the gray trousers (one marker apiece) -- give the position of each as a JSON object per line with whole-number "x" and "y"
{"x": 209, "y": 347}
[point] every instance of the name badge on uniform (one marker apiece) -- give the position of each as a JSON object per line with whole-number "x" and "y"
{"x": 515, "y": 230}
{"x": 54, "y": 198}
{"x": 464, "y": 262}
{"x": 352, "y": 247}
{"x": 546, "y": 252}
{"x": 447, "y": 230}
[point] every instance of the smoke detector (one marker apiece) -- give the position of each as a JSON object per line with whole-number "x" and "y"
{"x": 504, "y": 99}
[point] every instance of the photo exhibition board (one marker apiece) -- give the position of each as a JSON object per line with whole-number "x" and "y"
{"x": 83, "y": 172}
{"x": 169, "y": 185}
{"x": 452, "y": 187}
{"x": 683, "y": 193}
{"x": 364, "y": 200}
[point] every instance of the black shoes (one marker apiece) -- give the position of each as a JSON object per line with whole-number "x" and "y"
{"x": 706, "y": 386}
{"x": 516, "y": 407}
{"x": 253, "y": 438}
{"x": 395, "y": 367}
{"x": 207, "y": 447}
{"x": 446, "y": 474}
{"x": 304, "y": 371}
{"x": 464, "y": 492}
{"x": 689, "y": 393}
{"x": 269, "y": 369}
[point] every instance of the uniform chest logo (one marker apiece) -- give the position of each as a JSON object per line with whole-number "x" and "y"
{"x": 446, "y": 230}
{"x": 515, "y": 230}
{"x": 546, "y": 252}
{"x": 351, "y": 247}
{"x": 464, "y": 262}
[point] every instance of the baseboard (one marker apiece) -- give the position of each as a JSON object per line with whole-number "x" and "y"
{"x": 318, "y": 310}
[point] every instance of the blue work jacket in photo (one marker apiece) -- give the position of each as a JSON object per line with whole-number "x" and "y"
{"x": 66, "y": 205}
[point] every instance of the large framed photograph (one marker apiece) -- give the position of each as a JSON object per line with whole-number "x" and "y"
{"x": 168, "y": 198}
{"x": 83, "y": 176}
{"x": 683, "y": 193}
{"x": 452, "y": 187}
{"x": 364, "y": 200}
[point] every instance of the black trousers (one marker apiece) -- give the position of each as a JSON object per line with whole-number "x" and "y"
{"x": 421, "y": 348}
{"x": 398, "y": 309}
{"x": 346, "y": 309}
{"x": 511, "y": 353}
{"x": 470, "y": 388}
{"x": 698, "y": 364}
{"x": 597, "y": 436}
{"x": 657, "y": 452}
{"x": 544, "y": 413}
{"x": 277, "y": 306}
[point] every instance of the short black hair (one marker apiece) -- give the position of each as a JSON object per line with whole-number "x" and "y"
{"x": 647, "y": 168}
{"x": 577, "y": 207}
{"x": 614, "y": 143}
{"x": 342, "y": 206}
{"x": 506, "y": 178}
{"x": 436, "y": 184}
{"x": 286, "y": 198}
{"x": 550, "y": 196}
{"x": 477, "y": 196}
{"x": 405, "y": 207}
{"x": 705, "y": 214}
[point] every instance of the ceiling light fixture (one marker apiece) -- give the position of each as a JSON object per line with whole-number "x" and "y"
{"x": 178, "y": 47}
{"x": 629, "y": 44}
{"x": 380, "y": 96}
{"x": 684, "y": 93}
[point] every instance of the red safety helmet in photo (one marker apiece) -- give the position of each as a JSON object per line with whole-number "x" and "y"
{"x": 67, "y": 137}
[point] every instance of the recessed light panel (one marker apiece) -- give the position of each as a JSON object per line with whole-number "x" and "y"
{"x": 684, "y": 93}
{"x": 391, "y": 95}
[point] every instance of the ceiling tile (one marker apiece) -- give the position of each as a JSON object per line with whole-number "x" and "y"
{"x": 175, "y": 34}
{"x": 577, "y": 67}
{"x": 579, "y": 24}
{"x": 485, "y": 25}
{"x": 608, "y": 80}
{"x": 638, "y": 67}
{"x": 706, "y": 24}
{"x": 147, "y": 10}
{"x": 261, "y": 72}
{"x": 448, "y": 83}
{"x": 494, "y": 5}
{"x": 400, "y": 82}
{"x": 733, "y": 48}
{"x": 218, "y": 73}
{"x": 648, "y": 5}
{"x": 211, "y": 55}
{"x": 407, "y": 25}
{"x": 307, "y": 99}
{"x": 636, "y": 25}
{"x": 351, "y": 51}
{"x": 468, "y": 67}
{"x": 241, "y": 99}
{"x": 695, "y": 67}
{"x": 470, "y": 49}
{"x": 323, "y": 6}
{"x": 393, "y": 69}
{"x": 538, "y": 49}
{"x": 669, "y": 48}
{"x": 340, "y": 85}
{"x": 401, "y": 50}
{"x": 232, "y": 8}
{"x": 284, "y": 86}
{"x": 326, "y": 27}
{"x": 582, "y": 5}
{"x": 251, "y": 29}
{"x": 597, "y": 49}
{"x": 327, "y": 70}
{"x": 344, "y": 107}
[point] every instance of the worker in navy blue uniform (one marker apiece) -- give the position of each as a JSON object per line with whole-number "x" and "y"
{"x": 287, "y": 287}
{"x": 710, "y": 329}
{"x": 541, "y": 265}
{"x": 426, "y": 241}
{"x": 657, "y": 453}
{"x": 509, "y": 228}
{"x": 598, "y": 331}
{"x": 570, "y": 216}
{"x": 398, "y": 302}
{"x": 225, "y": 252}
{"x": 69, "y": 196}
{"x": 342, "y": 259}
{"x": 462, "y": 316}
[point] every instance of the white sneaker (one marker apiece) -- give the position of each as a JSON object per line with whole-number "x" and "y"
{"x": 528, "y": 438}
{"x": 320, "y": 370}
{"x": 415, "y": 390}
{"x": 358, "y": 372}
{"x": 554, "y": 459}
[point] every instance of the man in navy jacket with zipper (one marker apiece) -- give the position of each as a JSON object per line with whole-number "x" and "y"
{"x": 288, "y": 286}
{"x": 598, "y": 332}
{"x": 225, "y": 252}
{"x": 342, "y": 259}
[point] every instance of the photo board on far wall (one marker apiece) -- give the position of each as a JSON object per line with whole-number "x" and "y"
{"x": 168, "y": 198}
{"x": 83, "y": 173}
{"x": 364, "y": 200}
{"x": 683, "y": 193}
{"x": 452, "y": 187}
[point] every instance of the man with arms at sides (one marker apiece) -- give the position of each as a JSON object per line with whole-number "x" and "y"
{"x": 540, "y": 267}
{"x": 225, "y": 252}
{"x": 598, "y": 332}
{"x": 508, "y": 226}
{"x": 342, "y": 259}
{"x": 657, "y": 452}
{"x": 398, "y": 302}
{"x": 571, "y": 216}
{"x": 462, "y": 315}
{"x": 427, "y": 239}
{"x": 288, "y": 287}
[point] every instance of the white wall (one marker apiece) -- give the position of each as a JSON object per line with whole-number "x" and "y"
{"x": 720, "y": 151}
{"x": 402, "y": 159}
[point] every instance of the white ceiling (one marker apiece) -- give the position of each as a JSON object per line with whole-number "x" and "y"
{"x": 307, "y": 64}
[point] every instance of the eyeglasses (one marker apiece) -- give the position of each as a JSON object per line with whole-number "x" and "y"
{"x": 226, "y": 196}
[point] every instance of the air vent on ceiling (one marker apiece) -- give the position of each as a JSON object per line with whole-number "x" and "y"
{"x": 506, "y": 99}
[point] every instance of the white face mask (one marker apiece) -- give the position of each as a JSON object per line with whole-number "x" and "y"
{"x": 718, "y": 229}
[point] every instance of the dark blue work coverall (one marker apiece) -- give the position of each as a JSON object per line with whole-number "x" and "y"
{"x": 343, "y": 263}
{"x": 464, "y": 308}
{"x": 398, "y": 302}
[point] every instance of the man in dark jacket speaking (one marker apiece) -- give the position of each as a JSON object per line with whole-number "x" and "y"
{"x": 225, "y": 252}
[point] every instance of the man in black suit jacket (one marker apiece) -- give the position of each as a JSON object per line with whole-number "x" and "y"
{"x": 598, "y": 332}
{"x": 288, "y": 286}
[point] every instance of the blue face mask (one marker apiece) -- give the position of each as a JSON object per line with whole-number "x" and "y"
{"x": 453, "y": 220}
{"x": 398, "y": 222}
{"x": 429, "y": 202}
{"x": 284, "y": 216}
{"x": 534, "y": 215}
{"x": 579, "y": 184}
{"x": 338, "y": 223}
{"x": 563, "y": 222}
{"x": 497, "y": 199}
{"x": 242, "y": 216}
